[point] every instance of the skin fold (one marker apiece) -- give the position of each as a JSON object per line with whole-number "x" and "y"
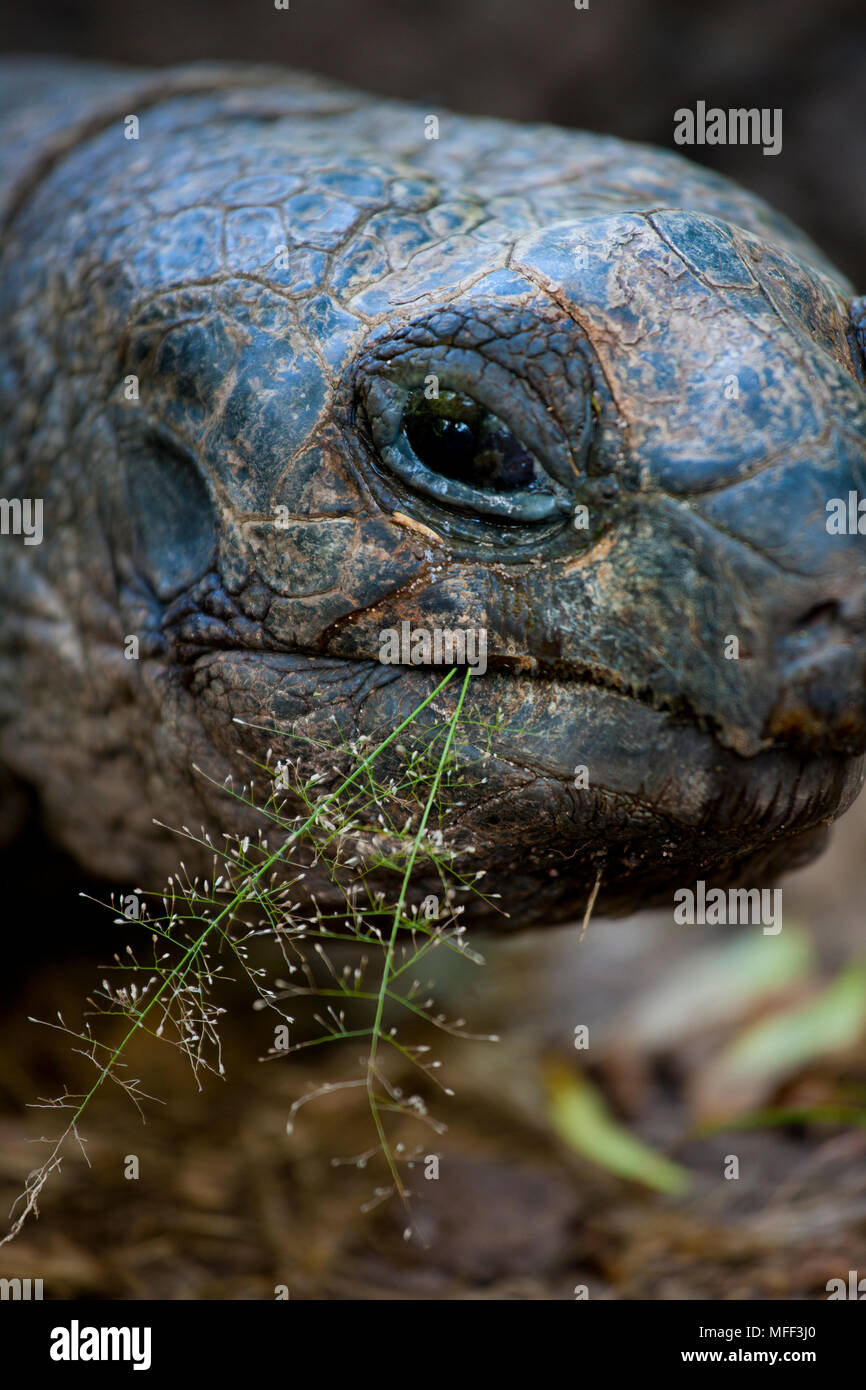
{"x": 282, "y": 267}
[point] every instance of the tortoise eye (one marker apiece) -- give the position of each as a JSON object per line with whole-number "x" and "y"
{"x": 452, "y": 449}
{"x": 458, "y": 439}
{"x": 461, "y": 425}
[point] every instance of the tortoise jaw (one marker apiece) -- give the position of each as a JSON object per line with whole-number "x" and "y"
{"x": 560, "y": 782}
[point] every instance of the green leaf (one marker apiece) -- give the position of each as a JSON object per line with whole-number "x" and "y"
{"x": 777, "y": 1047}
{"x": 579, "y": 1115}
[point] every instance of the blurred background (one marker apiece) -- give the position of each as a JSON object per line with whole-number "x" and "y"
{"x": 705, "y": 1043}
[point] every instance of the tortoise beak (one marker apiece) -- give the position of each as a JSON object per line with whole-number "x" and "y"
{"x": 822, "y": 703}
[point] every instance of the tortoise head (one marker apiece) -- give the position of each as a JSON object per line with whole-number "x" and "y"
{"x": 353, "y": 425}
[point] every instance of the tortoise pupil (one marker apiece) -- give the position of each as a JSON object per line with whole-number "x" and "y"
{"x": 443, "y": 445}
{"x": 455, "y": 437}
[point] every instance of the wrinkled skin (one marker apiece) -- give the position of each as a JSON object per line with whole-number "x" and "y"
{"x": 249, "y": 520}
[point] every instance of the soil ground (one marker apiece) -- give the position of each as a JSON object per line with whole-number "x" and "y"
{"x": 228, "y": 1206}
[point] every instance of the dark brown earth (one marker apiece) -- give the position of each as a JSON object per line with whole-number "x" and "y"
{"x": 228, "y": 1206}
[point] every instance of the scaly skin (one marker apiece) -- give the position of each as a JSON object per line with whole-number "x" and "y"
{"x": 248, "y": 520}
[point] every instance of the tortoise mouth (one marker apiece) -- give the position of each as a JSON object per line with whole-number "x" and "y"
{"x": 565, "y": 782}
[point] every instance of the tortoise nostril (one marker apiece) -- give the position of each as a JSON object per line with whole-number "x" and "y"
{"x": 822, "y": 693}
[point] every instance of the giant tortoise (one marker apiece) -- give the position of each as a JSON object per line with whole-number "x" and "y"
{"x": 286, "y": 368}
